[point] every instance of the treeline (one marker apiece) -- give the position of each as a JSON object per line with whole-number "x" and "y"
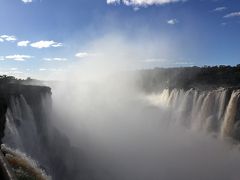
{"x": 4, "y": 79}
{"x": 207, "y": 77}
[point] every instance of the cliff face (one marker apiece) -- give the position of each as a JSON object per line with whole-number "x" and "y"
{"x": 31, "y": 93}
{"x": 3, "y": 110}
{"x": 25, "y": 124}
{"x": 8, "y": 92}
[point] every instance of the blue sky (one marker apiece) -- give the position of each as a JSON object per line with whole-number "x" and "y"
{"x": 42, "y": 36}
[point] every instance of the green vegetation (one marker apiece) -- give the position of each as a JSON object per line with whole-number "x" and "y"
{"x": 206, "y": 77}
{"x": 4, "y": 79}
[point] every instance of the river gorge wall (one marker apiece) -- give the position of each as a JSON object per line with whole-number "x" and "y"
{"x": 25, "y": 125}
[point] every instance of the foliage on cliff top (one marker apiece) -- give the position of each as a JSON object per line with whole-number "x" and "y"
{"x": 4, "y": 79}
{"x": 190, "y": 77}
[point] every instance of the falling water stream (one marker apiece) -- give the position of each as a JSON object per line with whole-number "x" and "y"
{"x": 215, "y": 111}
{"x": 140, "y": 140}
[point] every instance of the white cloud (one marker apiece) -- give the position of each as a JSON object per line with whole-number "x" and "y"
{"x": 23, "y": 43}
{"x": 7, "y": 38}
{"x": 57, "y": 45}
{"x": 18, "y": 57}
{"x": 27, "y": 1}
{"x": 1, "y": 40}
{"x": 82, "y": 55}
{"x": 139, "y": 3}
{"x": 55, "y": 59}
{"x": 113, "y": 1}
{"x": 45, "y": 44}
{"x": 233, "y": 14}
{"x": 220, "y": 8}
{"x": 172, "y": 21}
{"x": 2, "y": 58}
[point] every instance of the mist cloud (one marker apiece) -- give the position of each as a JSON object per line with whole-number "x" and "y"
{"x": 104, "y": 113}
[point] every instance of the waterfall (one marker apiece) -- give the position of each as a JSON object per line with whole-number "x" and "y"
{"x": 19, "y": 161}
{"x": 29, "y": 129}
{"x": 211, "y": 111}
{"x": 230, "y": 115}
{"x": 22, "y": 129}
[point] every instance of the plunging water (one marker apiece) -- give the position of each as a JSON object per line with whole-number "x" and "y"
{"x": 133, "y": 137}
{"x": 210, "y": 111}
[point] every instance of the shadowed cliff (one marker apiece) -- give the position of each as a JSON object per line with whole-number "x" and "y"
{"x": 9, "y": 90}
{"x": 31, "y": 93}
{"x": 28, "y": 109}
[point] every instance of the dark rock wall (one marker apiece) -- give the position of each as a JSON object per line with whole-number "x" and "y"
{"x": 58, "y": 157}
{"x": 3, "y": 110}
{"x": 31, "y": 93}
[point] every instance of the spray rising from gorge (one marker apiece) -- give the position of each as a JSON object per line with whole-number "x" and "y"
{"x": 118, "y": 123}
{"x": 130, "y": 132}
{"x": 119, "y": 90}
{"x": 114, "y": 128}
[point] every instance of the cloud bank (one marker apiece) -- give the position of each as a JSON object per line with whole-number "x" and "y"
{"x": 138, "y": 3}
{"x": 7, "y": 38}
{"x": 18, "y": 57}
{"x": 84, "y": 55}
{"x": 233, "y": 14}
{"x": 55, "y": 59}
{"x": 172, "y": 21}
{"x": 23, "y": 43}
{"x": 27, "y": 1}
{"x": 45, "y": 44}
{"x": 220, "y": 8}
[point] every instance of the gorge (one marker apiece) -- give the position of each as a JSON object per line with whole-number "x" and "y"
{"x": 121, "y": 131}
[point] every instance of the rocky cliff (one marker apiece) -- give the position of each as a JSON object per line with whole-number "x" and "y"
{"x": 25, "y": 125}
{"x": 31, "y": 93}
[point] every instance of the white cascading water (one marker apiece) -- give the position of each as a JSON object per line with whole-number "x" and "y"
{"x": 230, "y": 115}
{"x": 17, "y": 157}
{"x": 21, "y": 130}
{"x": 214, "y": 111}
{"x": 210, "y": 111}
